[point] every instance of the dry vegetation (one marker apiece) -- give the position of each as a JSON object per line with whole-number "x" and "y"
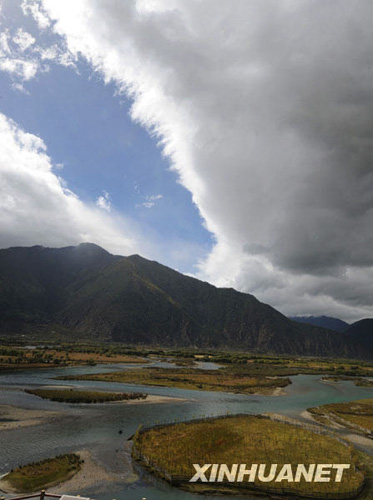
{"x": 357, "y": 414}
{"x": 75, "y": 396}
{"x": 172, "y": 450}
{"x": 14, "y": 356}
{"x": 20, "y": 357}
{"x": 359, "y": 381}
{"x": 204, "y": 380}
{"x": 36, "y": 476}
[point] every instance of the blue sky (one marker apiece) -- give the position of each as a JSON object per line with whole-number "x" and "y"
{"x": 99, "y": 149}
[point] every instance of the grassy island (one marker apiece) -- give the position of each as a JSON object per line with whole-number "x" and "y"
{"x": 364, "y": 382}
{"x": 355, "y": 414}
{"x": 39, "y": 475}
{"x": 170, "y": 451}
{"x": 75, "y": 396}
{"x": 184, "y": 378}
{"x": 359, "y": 381}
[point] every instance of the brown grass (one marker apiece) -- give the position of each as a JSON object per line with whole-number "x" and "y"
{"x": 206, "y": 380}
{"x": 354, "y": 412}
{"x": 245, "y": 439}
{"x": 36, "y": 476}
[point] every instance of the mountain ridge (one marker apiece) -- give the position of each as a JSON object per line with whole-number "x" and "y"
{"x": 91, "y": 292}
{"x": 328, "y": 322}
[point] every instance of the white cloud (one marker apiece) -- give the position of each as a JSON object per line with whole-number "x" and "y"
{"x": 37, "y": 207}
{"x": 272, "y": 140}
{"x": 56, "y": 54}
{"x": 15, "y": 57}
{"x": 22, "y": 57}
{"x": 22, "y": 69}
{"x": 32, "y": 8}
{"x": 23, "y": 39}
{"x": 104, "y": 202}
{"x": 151, "y": 200}
{"x": 4, "y": 43}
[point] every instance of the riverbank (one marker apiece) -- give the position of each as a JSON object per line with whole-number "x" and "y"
{"x": 352, "y": 415}
{"x": 358, "y": 439}
{"x": 152, "y": 398}
{"x": 13, "y": 417}
{"x": 90, "y": 474}
{"x": 35, "y": 476}
{"x": 93, "y": 473}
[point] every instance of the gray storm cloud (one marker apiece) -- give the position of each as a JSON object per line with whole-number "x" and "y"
{"x": 265, "y": 109}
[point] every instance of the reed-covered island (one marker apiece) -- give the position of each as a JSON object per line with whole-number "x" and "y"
{"x": 170, "y": 451}
{"x": 76, "y": 396}
{"x": 226, "y": 379}
{"x": 38, "y": 475}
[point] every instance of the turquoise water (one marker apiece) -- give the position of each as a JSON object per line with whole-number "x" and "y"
{"x": 104, "y": 429}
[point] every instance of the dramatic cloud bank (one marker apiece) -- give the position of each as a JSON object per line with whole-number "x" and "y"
{"x": 265, "y": 110}
{"x": 35, "y": 206}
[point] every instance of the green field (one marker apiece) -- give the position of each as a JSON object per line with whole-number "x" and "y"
{"x": 170, "y": 451}
{"x": 75, "y": 396}
{"x": 38, "y": 475}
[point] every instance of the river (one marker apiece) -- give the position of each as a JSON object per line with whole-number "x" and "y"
{"x": 103, "y": 429}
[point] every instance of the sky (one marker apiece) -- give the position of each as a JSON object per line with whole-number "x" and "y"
{"x": 230, "y": 140}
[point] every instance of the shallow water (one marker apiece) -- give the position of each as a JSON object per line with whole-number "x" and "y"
{"x": 104, "y": 429}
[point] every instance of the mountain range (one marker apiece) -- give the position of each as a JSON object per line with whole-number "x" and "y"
{"x": 99, "y": 296}
{"x": 324, "y": 321}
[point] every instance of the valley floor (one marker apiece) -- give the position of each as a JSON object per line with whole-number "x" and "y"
{"x": 243, "y": 374}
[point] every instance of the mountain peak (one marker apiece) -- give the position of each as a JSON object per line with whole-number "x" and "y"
{"x": 91, "y": 248}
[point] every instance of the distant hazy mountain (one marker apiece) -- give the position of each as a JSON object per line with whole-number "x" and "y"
{"x": 88, "y": 291}
{"x": 324, "y": 321}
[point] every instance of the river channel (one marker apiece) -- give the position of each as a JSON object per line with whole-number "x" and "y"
{"x": 103, "y": 429}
